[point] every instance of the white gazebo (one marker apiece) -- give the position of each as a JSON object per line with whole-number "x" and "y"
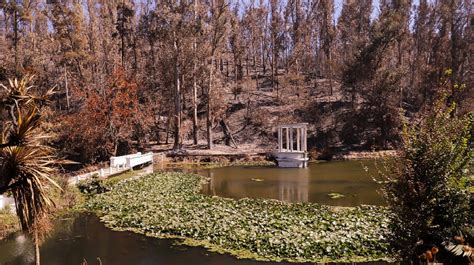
{"x": 292, "y": 147}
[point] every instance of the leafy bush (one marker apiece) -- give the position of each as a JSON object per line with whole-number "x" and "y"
{"x": 427, "y": 188}
{"x": 93, "y": 185}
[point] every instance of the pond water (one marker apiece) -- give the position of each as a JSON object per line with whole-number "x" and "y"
{"x": 84, "y": 238}
{"x": 312, "y": 184}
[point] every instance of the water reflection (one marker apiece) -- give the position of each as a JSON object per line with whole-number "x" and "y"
{"x": 312, "y": 184}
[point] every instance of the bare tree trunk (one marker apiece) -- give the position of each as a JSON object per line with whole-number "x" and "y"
{"x": 272, "y": 65}
{"x": 168, "y": 122}
{"x": 227, "y": 68}
{"x": 37, "y": 249}
{"x": 262, "y": 50}
{"x": 15, "y": 37}
{"x": 247, "y": 64}
{"x": 255, "y": 69}
{"x": 122, "y": 38}
{"x": 329, "y": 72}
{"x": 195, "y": 117}
{"x": 209, "y": 106}
{"x": 66, "y": 87}
{"x": 228, "y": 134}
{"x": 177, "y": 99}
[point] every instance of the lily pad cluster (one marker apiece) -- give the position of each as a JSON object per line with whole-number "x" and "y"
{"x": 169, "y": 205}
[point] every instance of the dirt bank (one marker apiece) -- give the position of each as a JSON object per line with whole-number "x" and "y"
{"x": 246, "y": 153}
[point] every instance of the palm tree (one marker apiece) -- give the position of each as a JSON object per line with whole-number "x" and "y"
{"x": 26, "y": 162}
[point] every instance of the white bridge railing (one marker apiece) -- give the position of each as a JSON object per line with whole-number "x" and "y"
{"x": 118, "y": 164}
{"x": 127, "y": 162}
{"x": 121, "y": 161}
{"x": 141, "y": 159}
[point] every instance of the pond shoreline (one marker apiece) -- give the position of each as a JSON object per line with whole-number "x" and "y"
{"x": 213, "y": 156}
{"x": 217, "y": 158}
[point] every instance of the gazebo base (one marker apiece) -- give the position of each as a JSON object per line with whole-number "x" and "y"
{"x": 292, "y": 159}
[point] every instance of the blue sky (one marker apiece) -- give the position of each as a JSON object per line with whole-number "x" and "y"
{"x": 338, "y": 6}
{"x": 375, "y": 6}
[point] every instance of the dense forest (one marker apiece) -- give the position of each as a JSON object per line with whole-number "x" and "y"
{"x": 131, "y": 72}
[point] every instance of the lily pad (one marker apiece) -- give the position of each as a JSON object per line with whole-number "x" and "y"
{"x": 335, "y": 195}
{"x": 170, "y": 205}
{"x": 257, "y": 179}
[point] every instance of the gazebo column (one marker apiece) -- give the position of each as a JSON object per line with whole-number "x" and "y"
{"x": 291, "y": 139}
{"x": 305, "y": 140}
{"x": 298, "y": 139}
{"x": 280, "y": 139}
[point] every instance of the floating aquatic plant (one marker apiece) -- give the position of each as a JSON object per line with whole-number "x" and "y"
{"x": 335, "y": 195}
{"x": 170, "y": 205}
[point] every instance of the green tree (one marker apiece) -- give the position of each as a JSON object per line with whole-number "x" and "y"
{"x": 374, "y": 80}
{"x": 427, "y": 187}
{"x": 124, "y": 29}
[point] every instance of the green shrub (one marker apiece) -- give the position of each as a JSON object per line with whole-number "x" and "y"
{"x": 93, "y": 185}
{"x": 427, "y": 187}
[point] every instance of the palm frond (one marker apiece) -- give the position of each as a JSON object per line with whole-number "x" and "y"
{"x": 27, "y": 163}
{"x": 19, "y": 92}
{"x": 459, "y": 249}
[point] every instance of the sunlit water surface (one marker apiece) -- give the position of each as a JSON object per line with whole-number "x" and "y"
{"x": 347, "y": 180}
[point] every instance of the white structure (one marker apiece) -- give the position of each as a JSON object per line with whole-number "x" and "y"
{"x": 121, "y": 161}
{"x": 139, "y": 160}
{"x": 118, "y": 164}
{"x": 127, "y": 162}
{"x": 292, "y": 148}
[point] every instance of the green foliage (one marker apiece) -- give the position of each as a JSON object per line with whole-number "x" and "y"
{"x": 170, "y": 205}
{"x": 111, "y": 181}
{"x": 97, "y": 185}
{"x": 427, "y": 187}
{"x": 335, "y": 195}
{"x": 93, "y": 185}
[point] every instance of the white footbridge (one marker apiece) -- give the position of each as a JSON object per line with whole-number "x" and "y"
{"x": 118, "y": 164}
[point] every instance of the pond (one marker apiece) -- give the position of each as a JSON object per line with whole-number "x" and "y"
{"x": 320, "y": 182}
{"x": 84, "y": 238}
